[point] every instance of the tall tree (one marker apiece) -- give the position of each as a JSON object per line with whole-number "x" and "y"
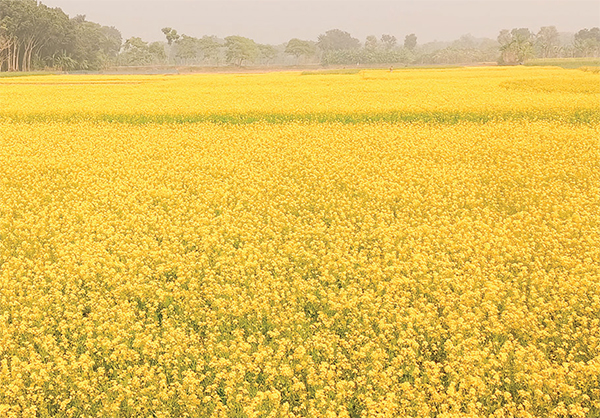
{"x": 240, "y": 49}
{"x": 33, "y": 35}
{"x": 388, "y": 41}
{"x": 187, "y": 49}
{"x": 410, "y": 42}
{"x": 93, "y": 46}
{"x": 210, "y": 47}
{"x": 371, "y": 42}
{"x": 267, "y": 53}
{"x": 171, "y": 35}
{"x": 136, "y": 52}
{"x": 515, "y": 46}
{"x": 587, "y": 42}
{"x": 157, "y": 51}
{"x": 337, "y": 40}
{"x": 547, "y": 40}
{"x": 300, "y": 48}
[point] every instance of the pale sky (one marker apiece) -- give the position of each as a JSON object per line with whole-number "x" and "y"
{"x": 277, "y": 21}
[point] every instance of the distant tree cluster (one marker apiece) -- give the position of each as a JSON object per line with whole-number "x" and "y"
{"x": 210, "y": 50}
{"x": 34, "y": 36}
{"x": 337, "y": 47}
{"x": 333, "y": 47}
{"x": 520, "y": 44}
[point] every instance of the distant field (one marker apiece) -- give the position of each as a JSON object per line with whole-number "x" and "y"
{"x": 565, "y": 62}
{"x": 24, "y": 74}
{"x": 420, "y": 243}
{"x": 346, "y": 71}
{"x": 427, "y": 95}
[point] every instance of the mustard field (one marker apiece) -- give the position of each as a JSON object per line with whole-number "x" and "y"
{"x": 421, "y": 243}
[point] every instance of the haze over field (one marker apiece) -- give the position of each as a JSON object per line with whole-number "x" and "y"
{"x": 276, "y": 22}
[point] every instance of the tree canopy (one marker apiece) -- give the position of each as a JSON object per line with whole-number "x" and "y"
{"x": 300, "y": 48}
{"x": 410, "y": 41}
{"x": 240, "y": 49}
{"x": 587, "y": 41}
{"x": 516, "y": 45}
{"x": 337, "y": 40}
{"x": 34, "y": 36}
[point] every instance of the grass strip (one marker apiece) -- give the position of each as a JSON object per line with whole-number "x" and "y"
{"x": 567, "y": 63}
{"x": 580, "y": 116}
{"x": 24, "y": 74}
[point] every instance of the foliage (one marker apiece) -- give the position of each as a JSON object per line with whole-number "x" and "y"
{"x": 138, "y": 52}
{"x": 240, "y": 49}
{"x": 547, "y": 40}
{"x": 300, "y": 48}
{"x": 209, "y": 47}
{"x": 267, "y": 53}
{"x": 587, "y": 42}
{"x": 410, "y": 41}
{"x": 371, "y": 42}
{"x": 33, "y": 35}
{"x": 367, "y": 56}
{"x": 515, "y": 46}
{"x": 187, "y": 48}
{"x": 337, "y": 40}
{"x": 389, "y": 41}
{"x": 171, "y": 35}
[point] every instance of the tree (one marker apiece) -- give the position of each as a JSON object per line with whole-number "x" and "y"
{"x": 240, "y": 49}
{"x": 467, "y": 41}
{"x": 547, "y": 40}
{"x": 33, "y": 35}
{"x": 515, "y": 46}
{"x": 523, "y": 38}
{"x": 371, "y": 42}
{"x": 504, "y": 37}
{"x": 91, "y": 45}
{"x": 300, "y": 48}
{"x": 388, "y": 41}
{"x": 587, "y": 42}
{"x": 267, "y": 52}
{"x": 209, "y": 47}
{"x": 64, "y": 62}
{"x": 31, "y": 26}
{"x": 157, "y": 51}
{"x": 410, "y": 42}
{"x": 508, "y": 54}
{"x": 187, "y": 48}
{"x": 337, "y": 40}
{"x": 136, "y": 52}
{"x": 110, "y": 41}
{"x": 171, "y": 35}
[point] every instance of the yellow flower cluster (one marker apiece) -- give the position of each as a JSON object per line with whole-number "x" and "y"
{"x": 295, "y": 269}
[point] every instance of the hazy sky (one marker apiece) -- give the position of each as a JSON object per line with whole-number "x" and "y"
{"x": 277, "y": 21}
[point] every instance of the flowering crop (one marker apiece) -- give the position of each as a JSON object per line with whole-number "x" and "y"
{"x": 468, "y": 94}
{"x": 298, "y": 268}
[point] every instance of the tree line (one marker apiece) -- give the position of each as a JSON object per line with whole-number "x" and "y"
{"x": 34, "y": 36}
{"x": 520, "y": 44}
